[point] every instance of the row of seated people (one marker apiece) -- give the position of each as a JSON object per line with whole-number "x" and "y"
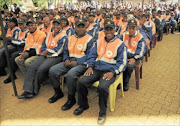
{"x": 97, "y": 51}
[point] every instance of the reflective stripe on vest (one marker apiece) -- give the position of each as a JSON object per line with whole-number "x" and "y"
{"x": 107, "y": 51}
{"x": 22, "y": 35}
{"x": 77, "y": 46}
{"x": 90, "y": 27}
{"x": 10, "y": 32}
{"x": 51, "y": 41}
{"x": 132, "y": 43}
{"x": 101, "y": 34}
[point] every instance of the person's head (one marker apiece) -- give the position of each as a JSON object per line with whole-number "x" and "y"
{"x": 86, "y": 20}
{"x": 15, "y": 5}
{"x": 106, "y": 16}
{"x": 57, "y": 25}
{"x": 31, "y": 25}
{"x": 109, "y": 29}
{"x": 167, "y": 12}
{"x": 91, "y": 17}
{"x": 22, "y": 24}
{"x": 80, "y": 28}
{"x": 76, "y": 17}
{"x": 118, "y": 15}
{"x": 69, "y": 13}
{"x": 132, "y": 27}
{"x": 39, "y": 19}
{"x": 159, "y": 13}
{"x": 36, "y": 4}
{"x": 154, "y": 13}
{"x": 20, "y": 14}
{"x": 88, "y": 9}
{"x": 51, "y": 15}
{"x": 64, "y": 21}
{"x": 147, "y": 16}
{"x": 12, "y": 22}
{"x": 143, "y": 17}
{"x": 124, "y": 17}
{"x": 43, "y": 14}
{"x": 46, "y": 22}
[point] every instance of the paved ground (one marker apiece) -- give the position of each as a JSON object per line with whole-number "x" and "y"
{"x": 156, "y": 103}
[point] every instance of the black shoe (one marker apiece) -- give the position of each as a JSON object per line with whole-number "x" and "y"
{"x": 101, "y": 119}
{"x": 69, "y": 104}
{"x": 2, "y": 72}
{"x": 126, "y": 88}
{"x": 80, "y": 110}
{"x": 55, "y": 98}
{"x": 8, "y": 80}
{"x": 25, "y": 95}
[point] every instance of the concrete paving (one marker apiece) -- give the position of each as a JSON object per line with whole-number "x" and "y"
{"x": 156, "y": 103}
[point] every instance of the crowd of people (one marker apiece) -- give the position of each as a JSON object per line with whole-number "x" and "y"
{"x": 96, "y": 44}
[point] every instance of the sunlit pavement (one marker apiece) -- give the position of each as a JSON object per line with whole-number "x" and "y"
{"x": 156, "y": 103}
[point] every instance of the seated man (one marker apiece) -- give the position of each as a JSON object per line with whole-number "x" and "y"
{"x": 107, "y": 59}
{"x": 12, "y": 34}
{"x": 74, "y": 57}
{"x": 19, "y": 42}
{"x": 136, "y": 47}
{"x": 32, "y": 47}
{"x": 51, "y": 54}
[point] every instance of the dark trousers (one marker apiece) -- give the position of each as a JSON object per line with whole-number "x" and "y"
{"x": 71, "y": 77}
{"x": 3, "y": 61}
{"x": 86, "y": 81}
{"x": 127, "y": 73}
{"x": 12, "y": 61}
{"x": 38, "y": 72}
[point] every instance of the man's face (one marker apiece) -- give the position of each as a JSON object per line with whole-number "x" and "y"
{"x": 11, "y": 25}
{"x": 87, "y": 24}
{"x": 91, "y": 19}
{"x": 32, "y": 27}
{"x": 46, "y": 22}
{"x": 80, "y": 29}
{"x": 109, "y": 33}
{"x": 154, "y": 14}
{"x": 56, "y": 27}
{"x": 50, "y": 16}
{"x": 64, "y": 23}
{"x": 38, "y": 20}
{"x": 22, "y": 26}
{"x": 131, "y": 30}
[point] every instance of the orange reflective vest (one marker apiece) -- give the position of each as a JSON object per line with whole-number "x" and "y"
{"x": 10, "y": 32}
{"x": 90, "y": 27}
{"x": 35, "y": 40}
{"x": 132, "y": 43}
{"x": 101, "y": 34}
{"x": 166, "y": 17}
{"x": 22, "y": 34}
{"x": 47, "y": 30}
{"x": 123, "y": 26}
{"x": 107, "y": 51}
{"x": 51, "y": 41}
{"x": 40, "y": 26}
{"x": 78, "y": 46}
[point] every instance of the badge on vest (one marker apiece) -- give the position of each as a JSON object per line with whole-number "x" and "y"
{"x": 80, "y": 46}
{"x": 109, "y": 53}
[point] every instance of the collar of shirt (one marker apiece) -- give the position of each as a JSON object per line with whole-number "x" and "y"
{"x": 111, "y": 39}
